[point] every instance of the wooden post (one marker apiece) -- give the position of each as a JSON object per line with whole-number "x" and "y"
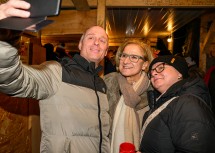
{"x": 101, "y": 21}
{"x": 101, "y": 13}
{"x": 206, "y": 39}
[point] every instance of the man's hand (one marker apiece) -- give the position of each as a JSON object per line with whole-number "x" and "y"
{"x": 16, "y": 8}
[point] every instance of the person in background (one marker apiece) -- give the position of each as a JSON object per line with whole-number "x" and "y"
{"x": 70, "y": 122}
{"x": 16, "y": 8}
{"x": 181, "y": 119}
{"x": 127, "y": 92}
{"x": 110, "y": 63}
{"x": 162, "y": 48}
{"x": 209, "y": 79}
{"x": 50, "y": 54}
{"x": 155, "y": 52}
{"x": 60, "y": 52}
{"x": 194, "y": 70}
{"x": 211, "y": 87}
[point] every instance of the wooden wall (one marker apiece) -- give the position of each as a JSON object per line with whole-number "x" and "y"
{"x": 16, "y": 125}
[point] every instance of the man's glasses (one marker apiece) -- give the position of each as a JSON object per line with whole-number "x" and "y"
{"x": 132, "y": 58}
{"x": 159, "y": 68}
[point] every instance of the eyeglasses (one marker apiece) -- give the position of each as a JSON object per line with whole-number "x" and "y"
{"x": 132, "y": 58}
{"x": 159, "y": 68}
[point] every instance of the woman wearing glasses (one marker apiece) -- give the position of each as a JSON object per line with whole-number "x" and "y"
{"x": 126, "y": 91}
{"x": 181, "y": 119}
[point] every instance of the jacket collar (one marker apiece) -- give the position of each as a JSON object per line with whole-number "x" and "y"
{"x": 192, "y": 85}
{"x": 88, "y": 66}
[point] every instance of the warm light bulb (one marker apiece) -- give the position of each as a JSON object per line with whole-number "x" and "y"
{"x": 169, "y": 39}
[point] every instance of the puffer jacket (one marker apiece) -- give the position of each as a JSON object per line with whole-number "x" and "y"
{"x": 185, "y": 125}
{"x": 73, "y": 104}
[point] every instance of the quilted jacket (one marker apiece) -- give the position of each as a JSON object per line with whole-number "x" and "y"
{"x": 73, "y": 104}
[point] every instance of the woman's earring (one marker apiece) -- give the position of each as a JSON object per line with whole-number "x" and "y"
{"x": 179, "y": 77}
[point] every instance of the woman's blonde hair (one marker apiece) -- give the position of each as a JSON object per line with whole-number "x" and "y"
{"x": 147, "y": 52}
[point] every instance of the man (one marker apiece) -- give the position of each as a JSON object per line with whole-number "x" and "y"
{"x": 110, "y": 62}
{"x": 73, "y": 104}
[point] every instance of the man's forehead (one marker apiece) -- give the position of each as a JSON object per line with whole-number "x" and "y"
{"x": 96, "y": 31}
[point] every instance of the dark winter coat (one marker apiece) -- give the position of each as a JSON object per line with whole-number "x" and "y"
{"x": 185, "y": 125}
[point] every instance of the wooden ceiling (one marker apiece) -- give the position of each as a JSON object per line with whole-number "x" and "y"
{"x": 124, "y": 18}
{"x": 148, "y": 22}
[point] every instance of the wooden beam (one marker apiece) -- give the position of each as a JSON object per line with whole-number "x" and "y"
{"x": 101, "y": 21}
{"x": 3, "y": 1}
{"x": 205, "y": 36}
{"x": 118, "y": 41}
{"x": 61, "y": 38}
{"x": 209, "y": 37}
{"x": 101, "y": 13}
{"x": 81, "y": 5}
{"x": 160, "y": 3}
{"x": 152, "y": 3}
{"x": 70, "y": 22}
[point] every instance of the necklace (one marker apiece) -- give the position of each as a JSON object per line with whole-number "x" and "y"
{"x": 133, "y": 82}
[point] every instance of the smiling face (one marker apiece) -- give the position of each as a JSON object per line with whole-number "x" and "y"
{"x": 163, "y": 80}
{"x": 129, "y": 69}
{"x": 93, "y": 45}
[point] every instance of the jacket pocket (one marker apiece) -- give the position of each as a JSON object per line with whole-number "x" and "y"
{"x": 67, "y": 145}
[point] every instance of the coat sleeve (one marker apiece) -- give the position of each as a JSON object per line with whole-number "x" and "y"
{"x": 21, "y": 80}
{"x": 193, "y": 126}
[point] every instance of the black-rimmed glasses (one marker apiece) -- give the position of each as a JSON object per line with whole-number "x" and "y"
{"x": 132, "y": 58}
{"x": 159, "y": 68}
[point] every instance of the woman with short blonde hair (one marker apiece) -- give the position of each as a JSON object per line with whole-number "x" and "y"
{"x": 127, "y": 92}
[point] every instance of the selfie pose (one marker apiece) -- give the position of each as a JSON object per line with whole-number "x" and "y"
{"x": 73, "y": 103}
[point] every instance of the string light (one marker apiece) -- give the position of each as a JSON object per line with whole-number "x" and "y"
{"x": 169, "y": 39}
